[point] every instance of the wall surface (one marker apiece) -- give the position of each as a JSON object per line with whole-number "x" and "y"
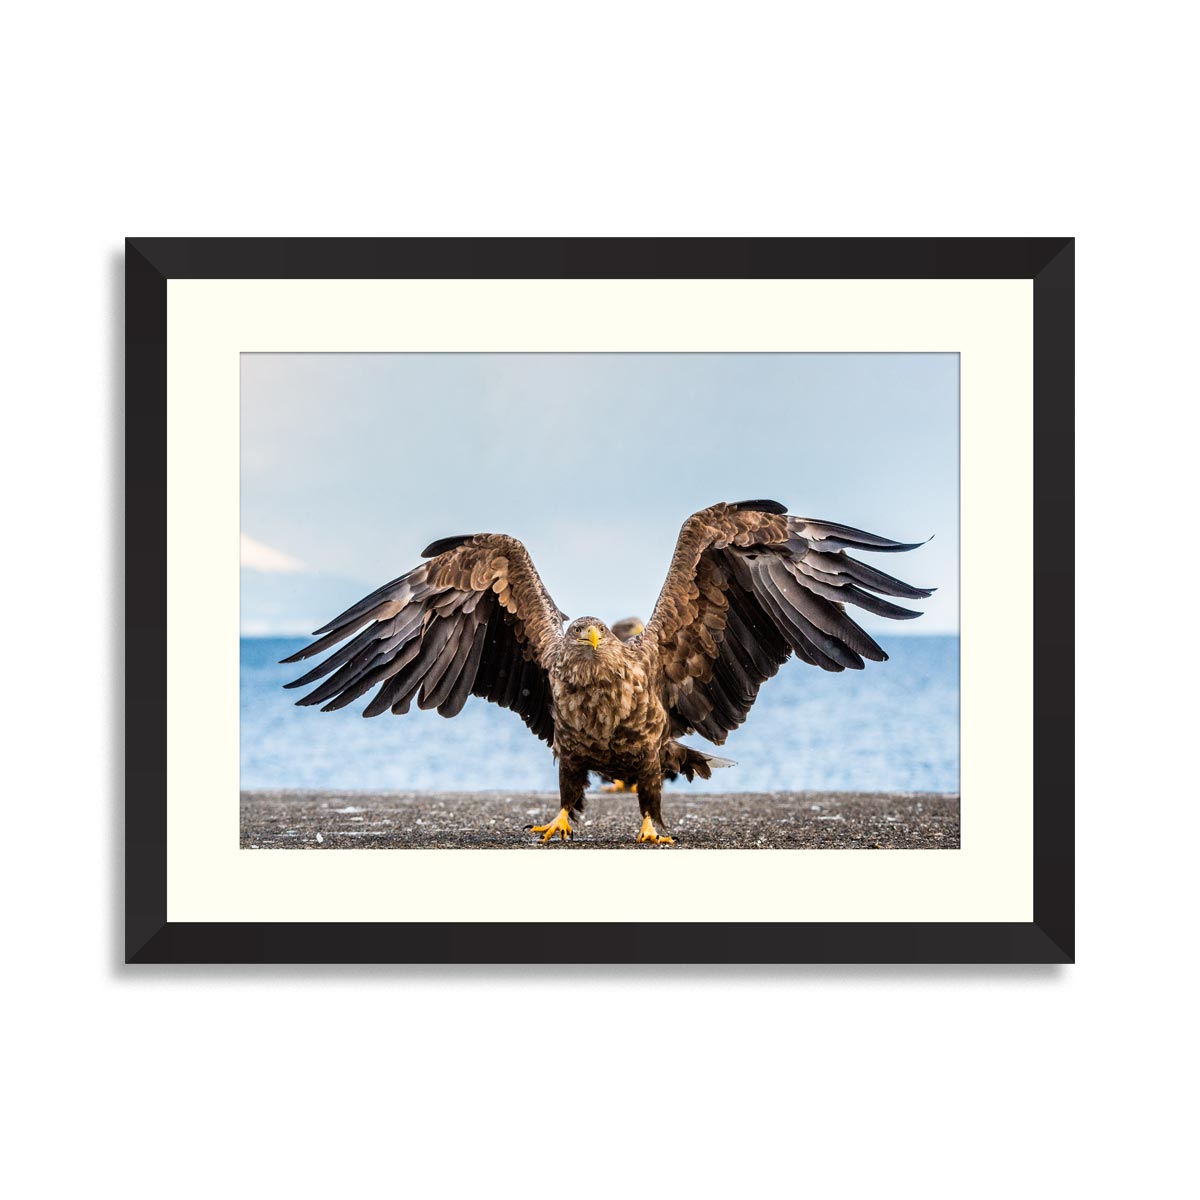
{"x": 539, "y": 119}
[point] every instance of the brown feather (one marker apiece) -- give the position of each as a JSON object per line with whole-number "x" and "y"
{"x": 749, "y": 586}
{"x": 475, "y": 619}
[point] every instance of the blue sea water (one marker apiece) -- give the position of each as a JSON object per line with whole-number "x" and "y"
{"x": 891, "y": 727}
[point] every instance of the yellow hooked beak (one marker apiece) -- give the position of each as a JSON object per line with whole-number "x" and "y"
{"x": 640, "y": 629}
{"x": 592, "y": 637}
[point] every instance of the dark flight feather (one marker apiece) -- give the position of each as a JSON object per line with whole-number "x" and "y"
{"x": 784, "y": 582}
{"x": 767, "y": 506}
{"x": 444, "y": 544}
{"x": 442, "y": 633}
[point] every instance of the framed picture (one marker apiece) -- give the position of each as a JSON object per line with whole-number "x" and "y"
{"x": 742, "y": 569}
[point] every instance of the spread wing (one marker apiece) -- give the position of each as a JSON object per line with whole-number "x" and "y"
{"x": 748, "y": 586}
{"x": 476, "y": 620}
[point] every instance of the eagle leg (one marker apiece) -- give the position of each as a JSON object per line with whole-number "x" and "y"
{"x": 572, "y": 782}
{"x": 650, "y": 802}
{"x": 619, "y": 785}
{"x": 648, "y": 833}
{"x": 560, "y": 825}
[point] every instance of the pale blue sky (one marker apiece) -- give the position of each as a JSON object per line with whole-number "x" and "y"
{"x": 352, "y": 463}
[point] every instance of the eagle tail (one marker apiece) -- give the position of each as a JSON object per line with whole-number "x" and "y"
{"x": 684, "y": 760}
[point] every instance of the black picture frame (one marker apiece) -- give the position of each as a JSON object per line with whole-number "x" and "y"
{"x": 1048, "y": 262}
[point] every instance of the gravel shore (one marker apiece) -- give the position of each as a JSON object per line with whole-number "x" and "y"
{"x": 324, "y": 820}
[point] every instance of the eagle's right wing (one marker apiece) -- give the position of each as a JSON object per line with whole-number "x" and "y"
{"x": 476, "y": 620}
{"x": 748, "y": 586}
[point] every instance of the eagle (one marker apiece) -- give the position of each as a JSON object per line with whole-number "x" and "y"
{"x": 749, "y": 585}
{"x": 628, "y": 627}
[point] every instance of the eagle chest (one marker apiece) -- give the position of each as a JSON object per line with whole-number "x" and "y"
{"x": 605, "y": 713}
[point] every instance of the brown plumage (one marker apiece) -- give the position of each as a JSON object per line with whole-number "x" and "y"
{"x": 748, "y": 586}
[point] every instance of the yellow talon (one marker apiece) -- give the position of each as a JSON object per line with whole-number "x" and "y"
{"x": 648, "y": 834}
{"x": 560, "y": 825}
{"x": 619, "y": 785}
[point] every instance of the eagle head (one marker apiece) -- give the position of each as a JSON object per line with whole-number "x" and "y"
{"x": 628, "y": 627}
{"x": 589, "y": 640}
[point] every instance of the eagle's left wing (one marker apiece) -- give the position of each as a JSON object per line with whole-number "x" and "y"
{"x": 748, "y": 586}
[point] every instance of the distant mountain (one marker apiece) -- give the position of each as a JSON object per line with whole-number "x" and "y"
{"x": 294, "y": 603}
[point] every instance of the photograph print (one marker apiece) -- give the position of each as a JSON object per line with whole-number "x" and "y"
{"x": 646, "y": 602}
